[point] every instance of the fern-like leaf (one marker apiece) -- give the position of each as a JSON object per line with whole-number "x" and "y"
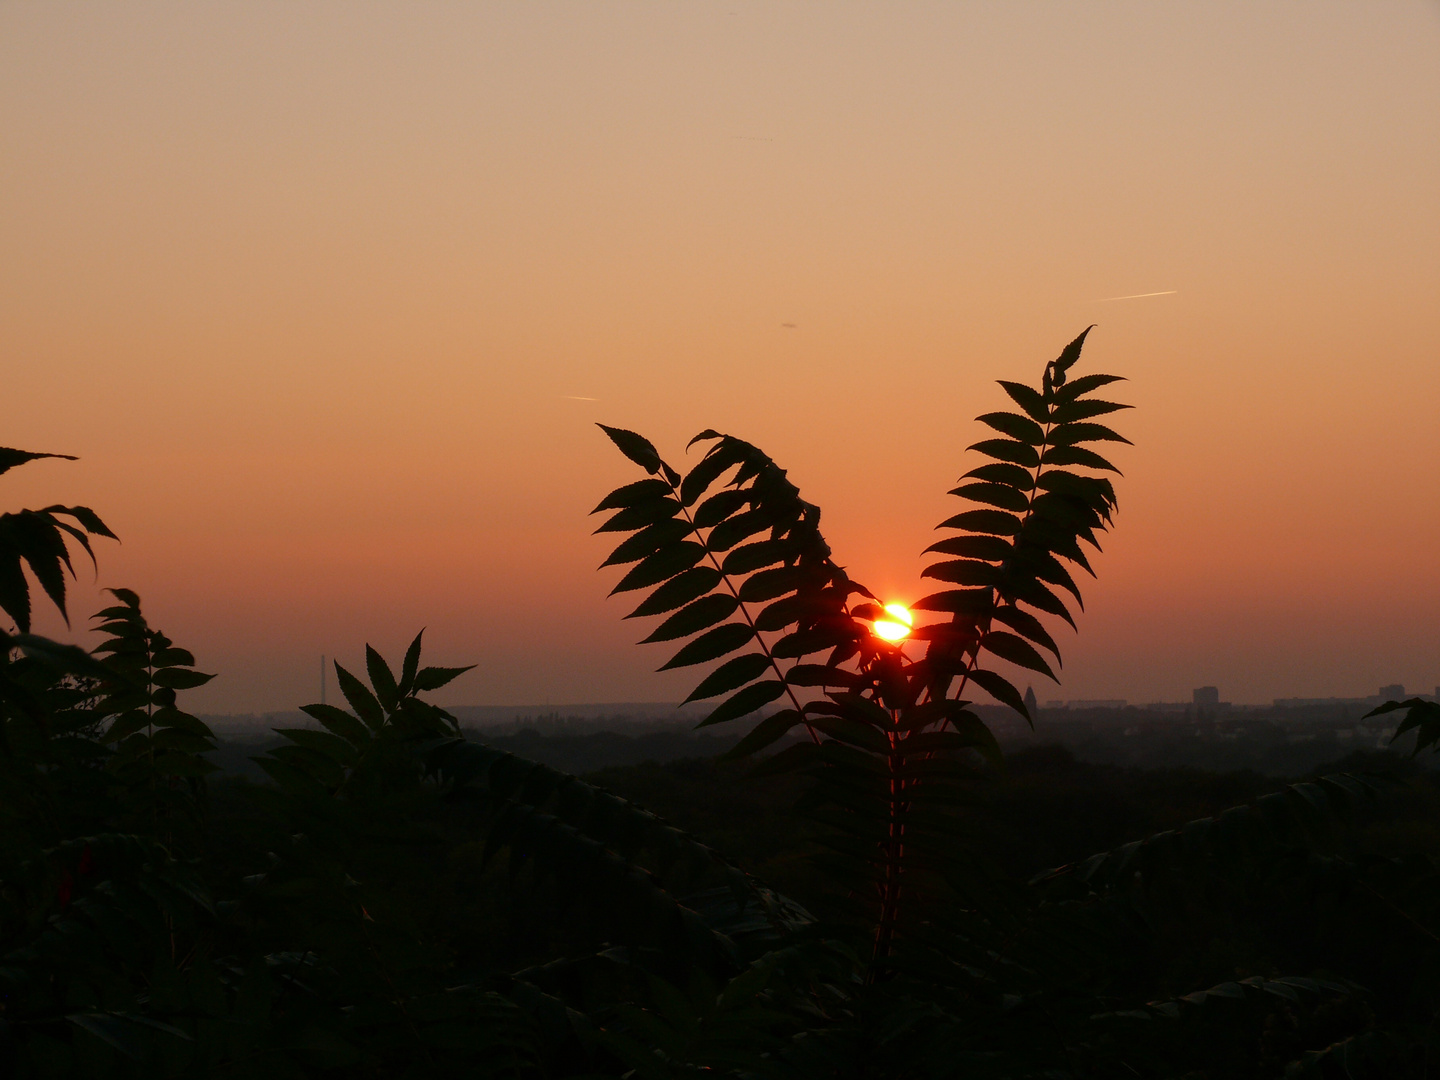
{"x": 730, "y": 540}
{"x": 1033, "y": 514}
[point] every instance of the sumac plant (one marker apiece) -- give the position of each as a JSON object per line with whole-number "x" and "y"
{"x": 734, "y": 560}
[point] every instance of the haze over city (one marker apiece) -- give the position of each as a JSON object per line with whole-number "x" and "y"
{"x": 328, "y": 300}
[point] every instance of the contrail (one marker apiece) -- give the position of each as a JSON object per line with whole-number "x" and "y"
{"x": 577, "y": 397}
{"x": 1137, "y": 296}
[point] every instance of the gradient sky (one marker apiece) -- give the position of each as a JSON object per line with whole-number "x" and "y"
{"x": 313, "y": 290}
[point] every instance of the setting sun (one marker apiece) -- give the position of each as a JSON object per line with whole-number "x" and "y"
{"x": 896, "y": 627}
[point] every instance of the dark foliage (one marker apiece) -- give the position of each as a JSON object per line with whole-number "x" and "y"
{"x": 38, "y": 539}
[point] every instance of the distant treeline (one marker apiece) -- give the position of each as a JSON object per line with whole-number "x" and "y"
{"x": 578, "y": 751}
{"x": 1269, "y": 742}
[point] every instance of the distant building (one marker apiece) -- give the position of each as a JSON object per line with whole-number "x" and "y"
{"x": 1099, "y": 703}
{"x": 1031, "y": 704}
{"x": 1206, "y": 695}
{"x": 1393, "y": 692}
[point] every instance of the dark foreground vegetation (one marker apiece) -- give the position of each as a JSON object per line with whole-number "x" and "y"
{"x": 236, "y": 753}
{"x": 863, "y": 888}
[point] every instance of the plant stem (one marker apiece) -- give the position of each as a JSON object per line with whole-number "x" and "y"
{"x": 893, "y": 850}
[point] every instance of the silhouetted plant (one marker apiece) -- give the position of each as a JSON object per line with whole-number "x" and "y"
{"x": 37, "y": 538}
{"x": 159, "y": 749}
{"x": 1421, "y": 716}
{"x": 736, "y": 554}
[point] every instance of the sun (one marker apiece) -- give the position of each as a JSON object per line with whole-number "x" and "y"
{"x": 897, "y": 627}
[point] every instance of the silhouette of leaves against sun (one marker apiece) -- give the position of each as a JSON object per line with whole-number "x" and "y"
{"x": 733, "y": 546}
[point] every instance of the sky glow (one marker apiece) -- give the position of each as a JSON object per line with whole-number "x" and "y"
{"x": 328, "y": 299}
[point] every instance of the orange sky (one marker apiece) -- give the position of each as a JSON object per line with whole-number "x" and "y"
{"x": 310, "y": 289}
